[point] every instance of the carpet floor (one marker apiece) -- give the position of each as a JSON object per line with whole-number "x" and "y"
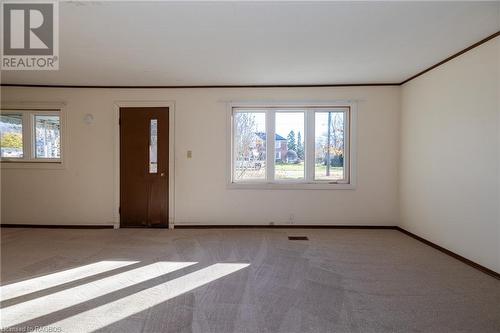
{"x": 238, "y": 280}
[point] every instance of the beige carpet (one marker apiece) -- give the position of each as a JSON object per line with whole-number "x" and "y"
{"x": 239, "y": 280}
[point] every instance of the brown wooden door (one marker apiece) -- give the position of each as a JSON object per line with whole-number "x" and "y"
{"x": 144, "y": 167}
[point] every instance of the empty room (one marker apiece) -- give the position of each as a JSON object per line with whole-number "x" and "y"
{"x": 250, "y": 166}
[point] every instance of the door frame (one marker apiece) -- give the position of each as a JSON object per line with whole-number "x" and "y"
{"x": 171, "y": 154}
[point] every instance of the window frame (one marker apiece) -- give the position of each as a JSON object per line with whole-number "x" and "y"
{"x": 309, "y": 110}
{"x": 29, "y": 159}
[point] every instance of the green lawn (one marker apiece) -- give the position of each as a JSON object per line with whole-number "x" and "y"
{"x": 296, "y": 171}
{"x": 289, "y": 167}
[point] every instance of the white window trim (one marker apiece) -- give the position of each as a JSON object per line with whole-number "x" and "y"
{"x": 30, "y": 109}
{"x": 308, "y": 183}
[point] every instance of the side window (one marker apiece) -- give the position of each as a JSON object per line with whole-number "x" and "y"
{"x": 30, "y": 136}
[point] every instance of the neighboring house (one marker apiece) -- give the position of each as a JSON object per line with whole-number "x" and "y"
{"x": 280, "y": 148}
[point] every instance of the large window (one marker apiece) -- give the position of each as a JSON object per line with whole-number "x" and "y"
{"x": 291, "y": 145}
{"x": 30, "y": 136}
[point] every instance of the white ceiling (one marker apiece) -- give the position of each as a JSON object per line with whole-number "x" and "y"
{"x": 258, "y": 43}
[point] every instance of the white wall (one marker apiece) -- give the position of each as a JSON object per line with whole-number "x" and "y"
{"x": 450, "y": 149}
{"x": 448, "y": 121}
{"x": 83, "y": 193}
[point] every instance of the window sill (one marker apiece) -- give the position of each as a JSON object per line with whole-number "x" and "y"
{"x": 9, "y": 164}
{"x": 290, "y": 186}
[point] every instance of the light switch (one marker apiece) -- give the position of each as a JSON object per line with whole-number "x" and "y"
{"x": 189, "y": 154}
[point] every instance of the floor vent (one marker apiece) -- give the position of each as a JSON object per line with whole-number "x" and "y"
{"x": 298, "y": 238}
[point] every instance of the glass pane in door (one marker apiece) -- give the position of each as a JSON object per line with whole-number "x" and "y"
{"x": 153, "y": 146}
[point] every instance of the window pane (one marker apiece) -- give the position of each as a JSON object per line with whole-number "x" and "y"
{"x": 11, "y": 131}
{"x": 153, "y": 146}
{"x": 329, "y": 141}
{"x": 249, "y": 146}
{"x": 289, "y": 147}
{"x": 47, "y": 137}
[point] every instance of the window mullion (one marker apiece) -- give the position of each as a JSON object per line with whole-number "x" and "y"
{"x": 270, "y": 145}
{"x": 309, "y": 146}
{"x": 28, "y": 136}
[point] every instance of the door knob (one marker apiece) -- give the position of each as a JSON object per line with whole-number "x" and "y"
{"x": 162, "y": 174}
